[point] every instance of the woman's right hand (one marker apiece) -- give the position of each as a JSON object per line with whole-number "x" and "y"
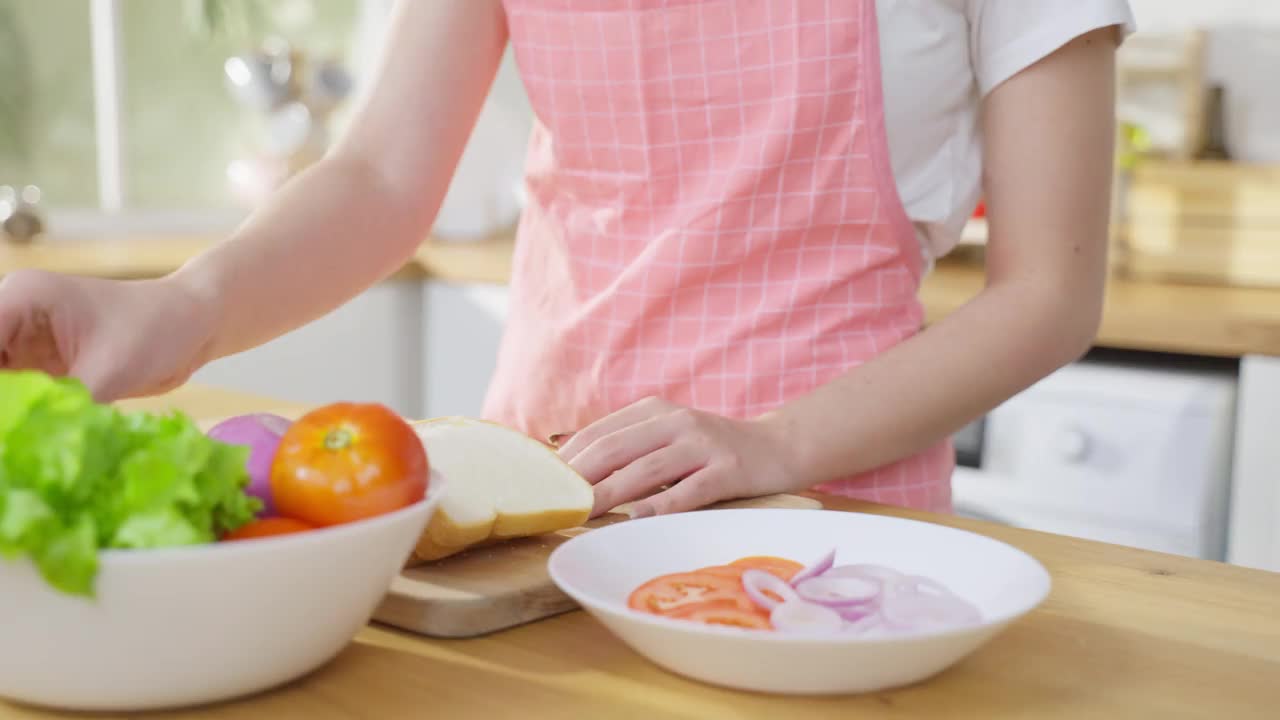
{"x": 121, "y": 338}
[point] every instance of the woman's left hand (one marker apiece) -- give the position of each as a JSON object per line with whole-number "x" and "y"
{"x": 704, "y": 457}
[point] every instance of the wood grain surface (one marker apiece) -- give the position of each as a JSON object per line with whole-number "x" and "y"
{"x": 492, "y": 588}
{"x": 1125, "y": 634}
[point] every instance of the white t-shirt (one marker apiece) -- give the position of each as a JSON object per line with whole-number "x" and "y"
{"x": 939, "y": 59}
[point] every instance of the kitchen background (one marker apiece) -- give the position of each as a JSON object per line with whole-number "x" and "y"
{"x": 135, "y": 132}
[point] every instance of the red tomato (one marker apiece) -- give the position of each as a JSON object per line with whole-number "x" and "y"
{"x": 267, "y": 527}
{"x": 724, "y": 570}
{"x": 665, "y": 593}
{"x": 724, "y": 612}
{"x": 346, "y": 462}
{"x": 782, "y": 567}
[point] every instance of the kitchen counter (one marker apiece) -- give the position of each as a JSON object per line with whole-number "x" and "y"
{"x": 485, "y": 260}
{"x": 1139, "y": 315}
{"x": 1124, "y": 634}
{"x": 1208, "y": 320}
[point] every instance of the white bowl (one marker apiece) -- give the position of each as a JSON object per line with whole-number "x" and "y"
{"x": 184, "y": 626}
{"x": 599, "y": 570}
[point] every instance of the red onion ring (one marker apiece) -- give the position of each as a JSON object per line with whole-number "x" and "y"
{"x": 839, "y": 591}
{"x": 866, "y": 571}
{"x": 805, "y": 617}
{"x": 863, "y": 624}
{"x": 905, "y": 607}
{"x": 821, "y": 566}
{"x": 756, "y": 582}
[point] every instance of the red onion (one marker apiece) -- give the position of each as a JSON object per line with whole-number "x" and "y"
{"x": 905, "y": 607}
{"x": 838, "y": 591}
{"x": 756, "y": 582}
{"x": 806, "y": 617}
{"x": 866, "y": 571}
{"x": 822, "y": 565}
{"x": 260, "y": 432}
{"x": 863, "y": 624}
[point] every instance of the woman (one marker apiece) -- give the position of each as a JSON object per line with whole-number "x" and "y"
{"x": 731, "y": 208}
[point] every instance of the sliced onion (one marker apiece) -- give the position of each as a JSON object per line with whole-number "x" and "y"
{"x": 756, "y": 582}
{"x": 921, "y": 584}
{"x": 906, "y": 608}
{"x": 863, "y": 624}
{"x": 838, "y": 591}
{"x": 805, "y": 617}
{"x": 854, "y": 613}
{"x": 822, "y": 565}
{"x": 866, "y": 571}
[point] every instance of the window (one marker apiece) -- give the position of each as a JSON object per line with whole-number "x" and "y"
{"x": 70, "y": 68}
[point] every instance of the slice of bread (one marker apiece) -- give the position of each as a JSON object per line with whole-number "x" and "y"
{"x": 498, "y": 483}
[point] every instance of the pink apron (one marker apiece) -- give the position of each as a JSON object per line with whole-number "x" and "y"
{"x": 712, "y": 217}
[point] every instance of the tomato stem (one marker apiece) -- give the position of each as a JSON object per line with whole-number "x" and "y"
{"x": 337, "y": 439}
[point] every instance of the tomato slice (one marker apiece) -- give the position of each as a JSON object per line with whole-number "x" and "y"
{"x": 782, "y": 567}
{"x": 724, "y": 571}
{"x": 724, "y": 612}
{"x": 666, "y": 593}
{"x": 266, "y": 527}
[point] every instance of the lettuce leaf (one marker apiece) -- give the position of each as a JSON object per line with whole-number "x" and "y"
{"x": 77, "y": 477}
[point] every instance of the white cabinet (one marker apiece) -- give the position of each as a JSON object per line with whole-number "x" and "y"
{"x": 422, "y": 348}
{"x": 463, "y": 326}
{"x": 369, "y": 350}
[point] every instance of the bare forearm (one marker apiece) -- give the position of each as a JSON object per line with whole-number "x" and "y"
{"x": 928, "y": 387}
{"x": 1048, "y": 178}
{"x": 321, "y": 240}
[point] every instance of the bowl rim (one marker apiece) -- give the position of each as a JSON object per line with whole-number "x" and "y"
{"x": 425, "y": 506}
{"x": 591, "y": 602}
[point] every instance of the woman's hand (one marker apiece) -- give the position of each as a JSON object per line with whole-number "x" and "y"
{"x": 120, "y": 338}
{"x": 703, "y": 457}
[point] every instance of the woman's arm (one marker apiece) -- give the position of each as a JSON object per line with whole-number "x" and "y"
{"x": 1049, "y": 143}
{"x": 1049, "y": 136}
{"x": 357, "y": 215}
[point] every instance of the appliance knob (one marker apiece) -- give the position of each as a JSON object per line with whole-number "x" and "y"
{"x": 1072, "y": 445}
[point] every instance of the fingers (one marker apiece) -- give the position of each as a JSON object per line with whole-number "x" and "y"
{"x": 28, "y": 337}
{"x": 11, "y": 314}
{"x": 33, "y": 345}
{"x": 579, "y": 441}
{"x": 699, "y": 490}
{"x": 619, "y": 449}
{"x": 641, "y": 477}
{"x": 9, "y": 325}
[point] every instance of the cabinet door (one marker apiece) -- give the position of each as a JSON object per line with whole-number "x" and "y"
{"x": 464, "y": 324}
{"x": 369, "y": 350}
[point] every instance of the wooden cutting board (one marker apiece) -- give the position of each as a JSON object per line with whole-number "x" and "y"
{"x": 493, "y": 588}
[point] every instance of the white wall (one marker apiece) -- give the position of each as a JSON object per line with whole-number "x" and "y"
{"x": 1243, "y": 55}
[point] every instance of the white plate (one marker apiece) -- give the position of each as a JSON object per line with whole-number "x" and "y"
{"x": 599, "y": 570}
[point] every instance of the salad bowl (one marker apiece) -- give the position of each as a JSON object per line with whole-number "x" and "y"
{"x": 182, "y": 626}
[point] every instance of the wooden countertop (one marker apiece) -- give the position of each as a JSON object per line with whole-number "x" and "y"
{"x": 485, "y": 260}
{"x": 1139, "y": 315}
{"x": 1151, "y": 316}
{"x": 1125, "y": 633}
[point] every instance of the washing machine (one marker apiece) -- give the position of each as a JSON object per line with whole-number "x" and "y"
{"x": 1132, "y": 452}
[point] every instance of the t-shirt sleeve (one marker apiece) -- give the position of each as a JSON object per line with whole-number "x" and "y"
{"x": 1007, "y": 36}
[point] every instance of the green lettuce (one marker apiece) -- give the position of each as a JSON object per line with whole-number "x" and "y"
{"x": 77, "y": 477}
